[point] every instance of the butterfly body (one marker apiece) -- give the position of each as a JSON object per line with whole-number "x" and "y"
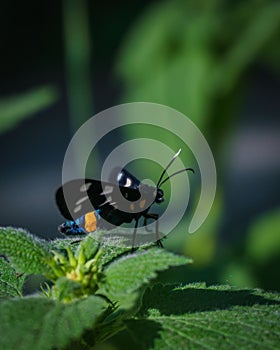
{"x": 89, "y": 204}
{"x": 86, "y": 194}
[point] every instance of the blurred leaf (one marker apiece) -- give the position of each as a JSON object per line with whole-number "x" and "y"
{"x": 246, "y": 47}
{"x": 193, "y": 56}
{"x": 202, "y": 245}
{"x": 237, "y": 273}
{"x": 77, "y": 47}
{"x": 15, "y": 109}
{"x": 263, "y": 240}
{"x": 166, "y": 58}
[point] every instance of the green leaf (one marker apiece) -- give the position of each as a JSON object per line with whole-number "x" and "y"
{"x": 113, "y": 246}
{"x": 125, "y": 276}
{"x": 27, "y": 253}
{"x": 196, "y": 317}
{"x": 16, "y": 108}
{"x": 63, "y": 243}
{"x": 40, "y": 323}
{"x": 10, "y": 282}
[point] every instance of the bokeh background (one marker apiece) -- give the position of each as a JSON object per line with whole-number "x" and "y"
{"x": 217, "y": 61}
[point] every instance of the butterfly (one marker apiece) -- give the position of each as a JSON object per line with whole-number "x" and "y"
{"x": 93, "y": 204}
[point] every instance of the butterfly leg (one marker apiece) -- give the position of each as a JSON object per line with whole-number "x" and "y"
{"x": 70, "y": 228}
{"x": 155, "y": 217}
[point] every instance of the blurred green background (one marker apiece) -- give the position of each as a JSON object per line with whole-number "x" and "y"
{"x": 214, "y": 60}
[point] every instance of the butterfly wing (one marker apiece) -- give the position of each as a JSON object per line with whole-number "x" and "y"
{"x": 73, "y": 200}
{"x": 83, "y": 194}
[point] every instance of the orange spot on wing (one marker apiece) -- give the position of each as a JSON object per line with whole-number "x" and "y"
{"x": 90, "y": 222}
{"x": 142, "y": 203}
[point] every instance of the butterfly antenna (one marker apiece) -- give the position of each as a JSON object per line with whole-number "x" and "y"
{"x": 176, "y": 173}
{"x": 168, "y": 165}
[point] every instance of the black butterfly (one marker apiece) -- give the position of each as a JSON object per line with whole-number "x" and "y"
{"x": 105, "y": 197}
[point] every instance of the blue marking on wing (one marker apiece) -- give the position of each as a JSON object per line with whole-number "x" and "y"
{"x": 75, "y": 227}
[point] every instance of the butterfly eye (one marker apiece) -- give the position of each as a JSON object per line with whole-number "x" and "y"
{"x": 122, "y": 177}
{"x": 128, "y": 183}
{"x": 159, "y": 196}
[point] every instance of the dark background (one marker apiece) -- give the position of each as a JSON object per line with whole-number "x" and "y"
{"x": 32, "y": 54}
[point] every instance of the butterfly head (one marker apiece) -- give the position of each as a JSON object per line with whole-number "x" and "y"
{"x": 159, "y": 196}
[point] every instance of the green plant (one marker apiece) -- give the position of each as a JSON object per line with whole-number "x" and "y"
{"x": 94, "y": 291}
{"x": 14, "y": 109}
